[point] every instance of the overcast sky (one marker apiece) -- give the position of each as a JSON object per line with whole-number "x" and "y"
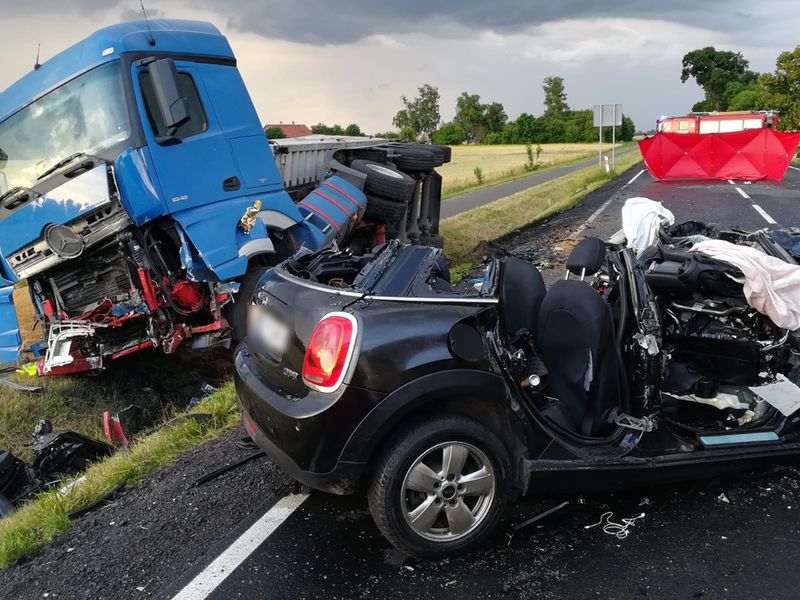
{"x": 350, "y": 60}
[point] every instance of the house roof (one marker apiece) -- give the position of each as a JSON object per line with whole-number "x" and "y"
{"x": 291, "y": 130}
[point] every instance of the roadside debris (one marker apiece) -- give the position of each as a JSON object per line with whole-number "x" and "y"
{"x": 112, "y": 428}
{"x": 541, "y": 515}
{"x": 221, "y": 471}
{"x": 618, "y": 530}
{"x": 55, "y": 454}
{"x": 18, "y": 387}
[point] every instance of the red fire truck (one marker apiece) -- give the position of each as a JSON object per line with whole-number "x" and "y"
{"x": 718, "y": 122}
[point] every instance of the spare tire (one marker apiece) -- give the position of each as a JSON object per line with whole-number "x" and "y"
{"x": 415, "y": 159}
{"x": 384, "y": 181}
{"x": 438, "y": 155}
{"x": 385, "y": 210}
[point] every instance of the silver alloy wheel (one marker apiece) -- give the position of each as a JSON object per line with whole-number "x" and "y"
{"x": 385, "y": 171}
{"x": 448, "y": 491}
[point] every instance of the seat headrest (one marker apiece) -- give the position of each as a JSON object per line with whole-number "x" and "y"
{"x": 587, "y": 257}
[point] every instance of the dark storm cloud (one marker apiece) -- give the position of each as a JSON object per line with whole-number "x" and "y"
{"x": 342, "y": 21}
{"x": 322, "y": 21}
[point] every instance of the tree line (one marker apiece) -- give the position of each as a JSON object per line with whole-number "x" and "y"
{"x": 476, "y": 122}
{"x": 728, "y": 83}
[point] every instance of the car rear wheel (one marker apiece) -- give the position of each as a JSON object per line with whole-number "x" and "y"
{"x": 441, "y": 488}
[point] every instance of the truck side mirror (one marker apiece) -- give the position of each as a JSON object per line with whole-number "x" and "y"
{"x": 173, "y": 105}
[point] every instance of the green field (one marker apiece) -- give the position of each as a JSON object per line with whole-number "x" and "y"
{"x": 504, "y": 162}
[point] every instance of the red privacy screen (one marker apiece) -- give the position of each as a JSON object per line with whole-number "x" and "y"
{"x": 751, "y": 155}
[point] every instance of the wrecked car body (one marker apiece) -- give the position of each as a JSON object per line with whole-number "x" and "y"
{"x": 140, "y": 198}
{"x": 445, "y": 406}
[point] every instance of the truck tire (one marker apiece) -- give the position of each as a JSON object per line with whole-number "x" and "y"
{"x": 415, "y": 496}
{"x": 448, "y": 152}
{"x": 438, "y": 155}
{"x": 385, "y": 181}
{"x": 415, "y": 159}
{"x": 384, "y": 210}
{"x": 237, "y": 313}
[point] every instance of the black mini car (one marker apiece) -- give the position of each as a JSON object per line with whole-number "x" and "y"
{"x": 372, "y": 373}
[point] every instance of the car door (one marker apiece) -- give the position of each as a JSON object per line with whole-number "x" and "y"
{"x": 196, "y": 167}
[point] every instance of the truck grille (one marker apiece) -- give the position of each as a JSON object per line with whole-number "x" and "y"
{"x": 99, "y": 225}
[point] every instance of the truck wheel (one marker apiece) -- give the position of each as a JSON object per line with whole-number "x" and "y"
{"x": 385, "y": 181}
{"x": 237, "y": 314}
{"x": 447, "y": 152}
{"x": 384, "y": 210}
{"x": 441, "y": 488}
{"x": 415, "y": 159}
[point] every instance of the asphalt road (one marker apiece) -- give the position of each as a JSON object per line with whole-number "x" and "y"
{"x": 728, "y": 538}
{"x": 478, "y": 198}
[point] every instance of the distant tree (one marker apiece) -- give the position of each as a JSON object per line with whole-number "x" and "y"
{"x": 389, "y": 135}
{"x": 628, "y": 129}
{"x": 714, "y": 70}
{"x": 495, "y": 117}
{"x": 783, "y": 89}
{"x": 555, "y": 97}
{"x": 449, "y": 134}
{"x": 323, "y": 129}
{"x": 470, "y": 116}
{"x": 420, "y": 115}
{"x": 353, "y": 129}
{"x": 751, "y": 97}
{"x": 407, "y": 134}
{"x": 274, "y": 133}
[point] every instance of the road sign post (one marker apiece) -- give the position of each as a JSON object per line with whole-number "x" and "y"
{"x": 607, "y": 115}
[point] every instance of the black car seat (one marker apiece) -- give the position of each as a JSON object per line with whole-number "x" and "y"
{"x": 577, "y": 344}
{"x": 521, "y": 292}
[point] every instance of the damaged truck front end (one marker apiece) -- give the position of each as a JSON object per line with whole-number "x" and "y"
{"x": 140, "y": 198}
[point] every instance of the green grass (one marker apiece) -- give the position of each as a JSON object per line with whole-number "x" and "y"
{"x": 504, "y": 163}
{"x": 48, "y": 515}
{"x": 464, "y": 232}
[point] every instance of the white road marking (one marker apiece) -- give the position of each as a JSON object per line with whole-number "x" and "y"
{"x": 593, "y": 216}
{"x": 731, "y": 181}
{"x": 795, "y": 168}
{"x": 764, "y": 214}
{"x": 226, "y": 563}
{"x": 634, "y": 178}
{"x": 743, "y": 193}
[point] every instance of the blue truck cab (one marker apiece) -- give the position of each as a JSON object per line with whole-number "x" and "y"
{"x": 139, "y": 194}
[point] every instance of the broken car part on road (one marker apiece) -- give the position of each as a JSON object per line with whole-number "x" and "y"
{"x": 55, "y": 455}
{"x": 592, "y": 384}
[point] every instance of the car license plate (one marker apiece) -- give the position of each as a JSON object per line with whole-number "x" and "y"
{"x": 272, "y": 332}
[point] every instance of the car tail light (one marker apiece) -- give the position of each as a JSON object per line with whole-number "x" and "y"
{"x": 329, "y": 352}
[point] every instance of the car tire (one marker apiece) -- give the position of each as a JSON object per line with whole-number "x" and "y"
{"x": 384, "y": 210}
{"x": 407, "y": 486}
{"x": 237, "y": 314}
{"x": 415, "y": 159}
{"x": 384, "y": 181}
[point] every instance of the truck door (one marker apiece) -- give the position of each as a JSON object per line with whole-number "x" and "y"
{"x": 10, "y": 340}
{"x": 196, "y": 166}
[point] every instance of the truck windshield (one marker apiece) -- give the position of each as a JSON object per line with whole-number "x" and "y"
{"x": 87, "y": 114}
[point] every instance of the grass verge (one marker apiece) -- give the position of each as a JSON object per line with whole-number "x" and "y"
{"x": 464, "y": 232}
{"x": 48, "y": 514}
{"x": 501, "y": 164}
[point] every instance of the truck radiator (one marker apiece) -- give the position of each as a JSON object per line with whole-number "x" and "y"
{"x": 90, "y": 281}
